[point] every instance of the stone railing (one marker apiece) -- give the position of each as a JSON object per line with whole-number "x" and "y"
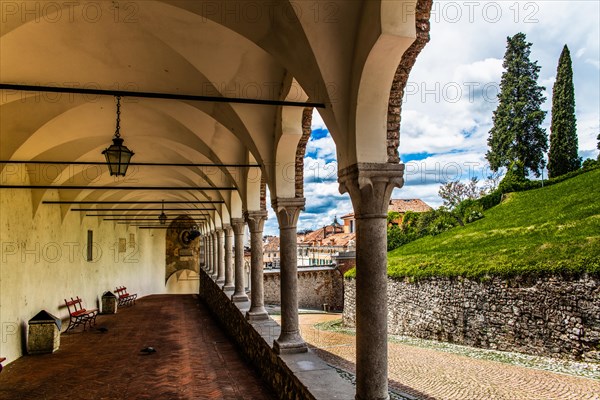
{"x": 549, "y": 316}
{"x": 292, "y": 376}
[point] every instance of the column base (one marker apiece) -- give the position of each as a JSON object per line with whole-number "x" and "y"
{"x": 253, "y": 316}
{"x": 220, "y": 282}
{"x": 214, "y": 276}
{"x": 290, "y": 346}
{"x": 239, "y": 298}
{"x": 226, "y": 288}
{"x": 371, "y": 398}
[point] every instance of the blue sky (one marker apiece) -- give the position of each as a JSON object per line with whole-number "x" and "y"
{"x": 451, "y": 95}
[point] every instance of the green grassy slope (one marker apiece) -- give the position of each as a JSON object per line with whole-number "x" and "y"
{"x": 549, "y": 230}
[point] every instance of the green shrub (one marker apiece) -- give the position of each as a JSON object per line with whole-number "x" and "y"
{"x": 442, "y": 222}
{"x": 490, "y": 200}
{"x": 589, "y": 164}
{"x": 469, "y": 211}
{"x": 514, "y": 178}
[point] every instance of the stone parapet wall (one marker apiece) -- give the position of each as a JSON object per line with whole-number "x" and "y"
{"x": 549, "y": 316}
{"x": 316, "y": 286}
{"x": 268, "y": 364}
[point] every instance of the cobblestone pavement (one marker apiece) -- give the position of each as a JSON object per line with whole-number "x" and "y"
{"x": 193, "y": 359}
{"x": 433, "y": 374}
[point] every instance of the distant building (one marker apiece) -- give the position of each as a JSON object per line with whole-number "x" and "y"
{"x": 271, "y": 253}
{"x": 318, "y": 247}
{"x": 401, "y": 206}
{"x": 334, "y": 243}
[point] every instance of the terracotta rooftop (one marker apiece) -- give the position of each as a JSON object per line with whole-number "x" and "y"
{"x": 402, "y": 206}
{"x": 271, "y": 244}
{"x": 316, "y": 237}
{"x": 405, "y": 205}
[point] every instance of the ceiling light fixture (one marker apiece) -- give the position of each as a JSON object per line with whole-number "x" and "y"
{"x": 163, "y": 217}
{"x": 117, "y": 155}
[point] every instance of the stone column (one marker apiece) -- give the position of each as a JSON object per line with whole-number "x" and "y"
{"x": 370, "y": 187}
{"x": 215, "y": 256}
{"x": 228, "y": 258}
{"x": 256, "y": 221}
{"x": 288, "y": 211}
{"x": 239, "y": 294}
{"x": 206, "y": 253}
{"x": 211, "y": 252}
{"x": 220, "y": 257}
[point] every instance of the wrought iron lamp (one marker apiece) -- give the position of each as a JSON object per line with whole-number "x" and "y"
{"x": 162, "y": 217}
{"x": 117, "y": 155}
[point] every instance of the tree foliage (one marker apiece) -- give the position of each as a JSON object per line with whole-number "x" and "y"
{"x": 563, "y": 155}
{"x": 454, "y": 192}
{"x": 517, "y": 134}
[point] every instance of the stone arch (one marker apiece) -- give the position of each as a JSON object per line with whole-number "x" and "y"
{"x": 381, "y": 56}
{"x": 422, "y": 25}
{"x": 179, "y": 254}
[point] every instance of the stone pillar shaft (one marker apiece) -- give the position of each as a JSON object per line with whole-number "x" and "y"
{"x": 228, "y": 258}
{"x": 207, "y": 253}
{"x": 239, "y": 295}
{"x": 288, "y": 211}
{"x": 220, "y": 257}
{"x": 370, "y": 187}
{"x": 256, "y": 222}
{"x": 215, "y": 256}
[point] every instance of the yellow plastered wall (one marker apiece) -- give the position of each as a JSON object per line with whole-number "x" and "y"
{"x": 43, "y": 260}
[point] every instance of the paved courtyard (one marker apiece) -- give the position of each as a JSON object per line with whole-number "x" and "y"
{"x": 432, "y": 374}
{"x": 193, "y": 360}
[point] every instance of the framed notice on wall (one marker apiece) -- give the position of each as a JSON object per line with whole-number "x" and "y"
{"x": 122, "y": 245}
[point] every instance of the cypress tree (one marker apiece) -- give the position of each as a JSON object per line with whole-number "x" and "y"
{"x": 563, "y": 156}
{"x": 517, "y": 135}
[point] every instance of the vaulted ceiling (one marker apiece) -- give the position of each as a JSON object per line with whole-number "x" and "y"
{"x": 342, "y": 54}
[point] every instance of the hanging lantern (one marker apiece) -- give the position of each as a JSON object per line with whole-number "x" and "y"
{"x": 162, "y": 217}
{"x": 117, "y": 155}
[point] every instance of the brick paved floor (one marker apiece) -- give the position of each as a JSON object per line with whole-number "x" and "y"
{"x": 193, "y": 359}
{"x": 433, "y": 374}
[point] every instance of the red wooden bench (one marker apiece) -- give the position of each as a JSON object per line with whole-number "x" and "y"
{"x": 1, "y": 360}
{"x": 79, "y": 315}
{"x": 125, "y": 299}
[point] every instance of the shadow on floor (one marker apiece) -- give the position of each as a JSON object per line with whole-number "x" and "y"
{"x": 346, "y": 365}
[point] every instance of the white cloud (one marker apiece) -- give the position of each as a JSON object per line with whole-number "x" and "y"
{"x": 451, "y": 94}
{"x": 317, "y": 120}
{"x": 322, "y": 148}
{"x": 593, "y": 62}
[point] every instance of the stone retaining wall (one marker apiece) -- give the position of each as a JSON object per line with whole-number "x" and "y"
{"x": 316, "y": 286}
{"x": 550, "y": 316}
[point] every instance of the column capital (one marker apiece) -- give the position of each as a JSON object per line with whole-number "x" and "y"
{"x": 227, "y": 228}
{"x": 256, "y": 220}
{"x": 288, "y": 210}
{"x": 238, "y": 225}
{"x": 370, "y": 187}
